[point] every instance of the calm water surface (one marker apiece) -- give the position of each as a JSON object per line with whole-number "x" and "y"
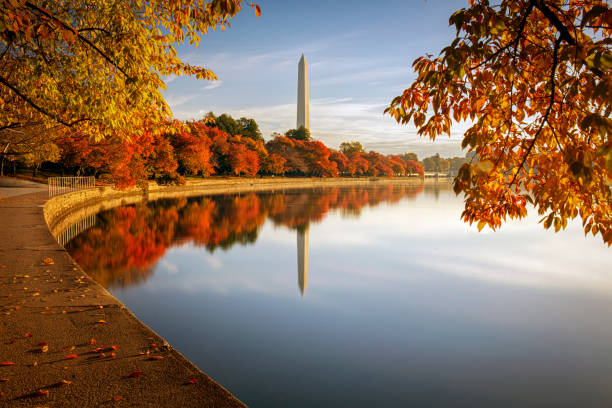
{"x": 364, "y": 297}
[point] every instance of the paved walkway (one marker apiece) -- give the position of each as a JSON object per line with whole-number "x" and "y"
{"x": 66, "y": 342}
{"x": 10, "y": 186}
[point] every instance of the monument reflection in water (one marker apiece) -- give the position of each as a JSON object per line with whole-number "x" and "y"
{"x": 124, "y": 244}
{"x": 405, "y": 306}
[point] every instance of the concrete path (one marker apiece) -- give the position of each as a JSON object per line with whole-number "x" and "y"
{"x": 11, "y": 186}
{"x": 66, "y": 342}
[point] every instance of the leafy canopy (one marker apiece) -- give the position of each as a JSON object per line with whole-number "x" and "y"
{"x": 534, "y": 79}
{"x": 98, "y": 65}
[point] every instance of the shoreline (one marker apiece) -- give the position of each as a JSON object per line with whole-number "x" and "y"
{"x": 66, "y": 340}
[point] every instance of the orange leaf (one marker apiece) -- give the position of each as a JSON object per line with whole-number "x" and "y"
{"x": 42, "y": 393}
{"x": 28, "y": 335}
{"x": 114, "y": 347}
{"x": 101, "y": 321}
{"x": 71, "y": 356}
{"x": 6, "y": 363}
{"x": 92, "y": 341}
{"x": 117, "y": 398}
{"x": 136, "y": 373}
{"x": 257, "y": 10}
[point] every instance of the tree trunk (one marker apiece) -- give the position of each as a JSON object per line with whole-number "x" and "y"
{"x": 14, "y": 168}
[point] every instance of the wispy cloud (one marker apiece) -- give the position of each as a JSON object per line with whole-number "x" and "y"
{"x": 213, "y": 85}
{"x": 338, "y": 120}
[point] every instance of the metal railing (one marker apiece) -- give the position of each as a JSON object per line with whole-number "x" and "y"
{"x": 63, "y": 185}
{"x": 75, "y": 229}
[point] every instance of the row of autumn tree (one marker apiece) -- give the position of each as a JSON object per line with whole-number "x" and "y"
{"x": 204, "y": 148}
{"x": 126, "y": 242}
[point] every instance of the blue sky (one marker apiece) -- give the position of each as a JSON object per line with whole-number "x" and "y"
{"x": 360, "y": 56}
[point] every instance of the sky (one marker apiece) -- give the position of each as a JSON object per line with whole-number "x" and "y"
{"x": 359, "y": 56}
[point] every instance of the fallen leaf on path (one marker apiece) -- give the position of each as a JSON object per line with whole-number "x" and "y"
{"x": 42, "y": 393}
{"x": 192, "y": 381}
{"x": 117, "y": 398}
{"x": 6, "y": 363}
{"x": 92, "y": 341}
{"x": 136, "y": 373}
{"x": 101, "y": 321}
{"x": 35, "y": 363}
{"x": 28, "y": 335}
{"x": 44, "y": 349}
{"x": 42, "y": 343}
{"x": 65, "y": 382}
{"x": 4, "y": 379}
{"x": 71, "y": 356}
{"x": 156, "y": 358}
{"x": 48, "y": 261}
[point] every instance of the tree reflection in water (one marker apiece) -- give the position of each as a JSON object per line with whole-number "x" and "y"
{"x": 126, "y": 243}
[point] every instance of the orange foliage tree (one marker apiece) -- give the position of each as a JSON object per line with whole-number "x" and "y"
{"x": 534, "y": 79}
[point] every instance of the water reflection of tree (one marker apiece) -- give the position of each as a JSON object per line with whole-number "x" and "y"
{"x": 127, "y": 241}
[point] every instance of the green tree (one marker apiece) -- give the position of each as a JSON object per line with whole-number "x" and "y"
{"x": 227, "y": 124}
{"x": 300, "y": 133}
{"x": 249, "y": 128}
{"x": 349, "y": 148}
{"x": 534, "y": 77}
{"x": 409, "y": 156}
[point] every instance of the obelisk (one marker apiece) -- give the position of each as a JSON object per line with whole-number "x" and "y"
{"x": 302, "y": 248}
{"x": 303, "y": 114}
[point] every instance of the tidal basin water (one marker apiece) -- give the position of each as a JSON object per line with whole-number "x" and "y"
{"x": 374, "y": 296}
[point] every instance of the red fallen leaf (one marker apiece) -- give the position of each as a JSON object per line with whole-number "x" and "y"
{"x": 114, "y": 347}
{"x": 192, "y": 381}
{"x": 136, "y": 373}
{"x": 102, "y": 355}
{"x": 42, "y": 393}
{"x": 12, "y": 342}
{"x": 156, "y": 358}
{"x": 42, "y": 343}
{"x": 28, "y": 335}
{"x": 98, "y": 349}
{"x": 153, "y": 345}
{"x": 6, "y": 363}
{"x": 117, "y": 398}
{"x": 71, "y": 356}
{"x": 92, "y": 341}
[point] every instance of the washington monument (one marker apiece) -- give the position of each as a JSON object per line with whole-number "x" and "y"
{"x": 303, "y": 113}
{"x": 303, "y": 119}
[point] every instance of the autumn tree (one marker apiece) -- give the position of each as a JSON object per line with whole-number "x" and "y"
{"x": 96, "y": 66}
{"x": 533, "y": 77}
